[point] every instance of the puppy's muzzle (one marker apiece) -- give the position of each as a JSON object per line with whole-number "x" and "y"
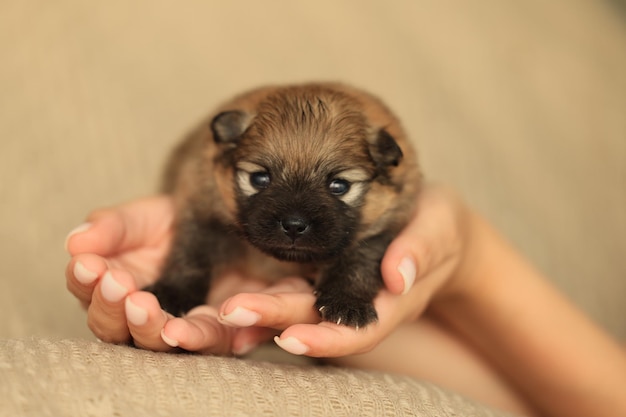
{"x": 294, "y": 226}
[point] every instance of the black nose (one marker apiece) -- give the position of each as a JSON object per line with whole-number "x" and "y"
{"x": 294, "y": 226}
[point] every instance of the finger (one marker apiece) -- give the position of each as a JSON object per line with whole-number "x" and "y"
{"x": 327, "y": 339}
{"x": 246, "y": 339}
{"x": 277, "y": 311}
{"x": 231, "y": 283}
{"x": 110, "y": 231}
{"x": 106, "y": 315}
{"x": 405, "y": 258}
{"x": 289, "y": 285}
{"x": 146, "y": 321}
{"x": 423, "y": 243}
{"x": 82, "y": 274}
{"x": 280, "y": 306}
{"x": 199, "y": 331}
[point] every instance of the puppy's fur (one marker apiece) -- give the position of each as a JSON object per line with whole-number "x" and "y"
{"x": 312, "y": 179}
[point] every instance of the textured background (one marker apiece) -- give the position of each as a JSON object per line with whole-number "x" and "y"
{"x": 519, "y": 105}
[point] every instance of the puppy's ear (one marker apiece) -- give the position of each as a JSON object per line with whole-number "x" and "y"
{"x": 228, "y": 126}
{"x": 385, "y": 151}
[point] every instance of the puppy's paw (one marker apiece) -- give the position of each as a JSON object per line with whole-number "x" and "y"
{"x": 346, "y": 310}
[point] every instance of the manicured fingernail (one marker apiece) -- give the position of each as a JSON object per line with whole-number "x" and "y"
{"x": 111, "y": 290}
{"x": 136, "y": 315}
{"x": 245, "y": 349}
{"x": 168, "y": 340}
{"x": 407, "y": 269}
{"x": 240, "y": 317}
{"x": 78, "y": 229}
{"x": 83, "y": 275}
{"x": 292, "y": 345}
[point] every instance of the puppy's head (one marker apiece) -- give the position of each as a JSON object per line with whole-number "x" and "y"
{"x": 304, "y": 159}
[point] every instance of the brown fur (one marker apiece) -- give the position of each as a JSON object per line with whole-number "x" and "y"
{"x": 302, "y": 137}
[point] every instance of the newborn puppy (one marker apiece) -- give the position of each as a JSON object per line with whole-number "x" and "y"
{"x": 314, "y": 180}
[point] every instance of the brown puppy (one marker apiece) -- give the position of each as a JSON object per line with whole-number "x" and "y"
{"x": 314, "y": 180}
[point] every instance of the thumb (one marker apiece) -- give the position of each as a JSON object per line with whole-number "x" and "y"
{"x": 405, "y": 260}
{"x": 128, "y": 226}
{"x": 430, "y": 236}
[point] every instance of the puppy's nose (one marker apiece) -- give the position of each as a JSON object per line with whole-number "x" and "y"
{"x": 294, "y": 226}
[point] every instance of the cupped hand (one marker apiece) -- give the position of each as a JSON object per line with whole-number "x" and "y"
{"x": 120, "y": 250}
{"x": 419, "y": 266}
{"x": 115, "y": 253}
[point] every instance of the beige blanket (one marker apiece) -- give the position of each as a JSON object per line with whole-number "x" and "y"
{"x": 41, "y": 377}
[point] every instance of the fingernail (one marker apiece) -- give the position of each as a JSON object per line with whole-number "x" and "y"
{"x": 78, "y": 229}
{"x": 240, "y": 317}
{"x": 136, "y": 315}
{"x": 111, "y": 290}
{"x": 83, "y": 275}
{"x": 245, "y": 349}
{"x": 407, "y": 269}
{"x": 292, "y": 345}
{"x": 168, "y": 340}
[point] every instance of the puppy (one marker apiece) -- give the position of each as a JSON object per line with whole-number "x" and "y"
{"x": 313, "y": 179}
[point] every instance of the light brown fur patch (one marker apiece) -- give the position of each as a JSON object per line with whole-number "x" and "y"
{"x": 342, "y": 114}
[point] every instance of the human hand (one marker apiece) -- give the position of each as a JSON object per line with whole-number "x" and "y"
{"x": 419, "y": 266}
{"x": 122, "y": 249}
{"x": 119, "y": 251}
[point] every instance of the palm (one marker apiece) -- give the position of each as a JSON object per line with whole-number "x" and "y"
{"x": 143, "y": 263}
{"x": 144, "y": 233}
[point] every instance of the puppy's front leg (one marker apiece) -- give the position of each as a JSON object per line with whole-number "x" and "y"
{"x": 185, "y": 279}
{"x": 347, "y": 288}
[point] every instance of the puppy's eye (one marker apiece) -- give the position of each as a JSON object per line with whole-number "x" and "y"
{"x": 339, "y": 187}
{"x": 260, "y": 180}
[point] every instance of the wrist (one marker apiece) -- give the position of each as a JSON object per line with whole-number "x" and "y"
{"x": 477, "y": 248}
